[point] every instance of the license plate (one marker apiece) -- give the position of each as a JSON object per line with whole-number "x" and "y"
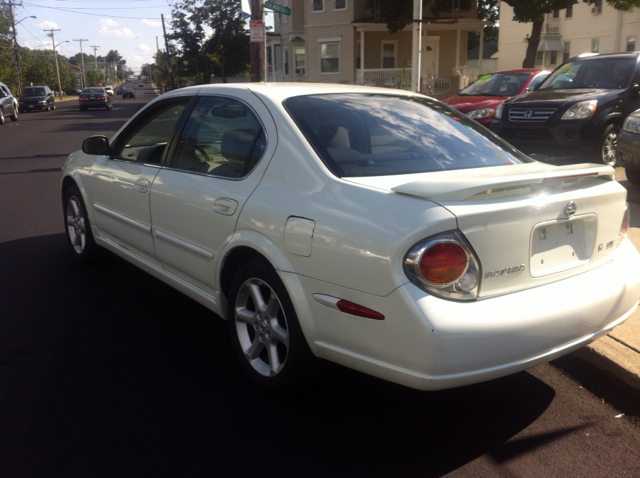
{"x": 32, "y": 106}
{"x": 557, "y": 246}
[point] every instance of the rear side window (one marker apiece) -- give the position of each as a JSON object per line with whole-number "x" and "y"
{"x": 377, "y": 135}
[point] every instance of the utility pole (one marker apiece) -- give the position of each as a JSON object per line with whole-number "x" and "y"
{"x": 166, "y": 45}
{"x": 257, "y": 50}
{"x": 95, "y": 57}
{"x": 55, "y": 56}
{"x": 15, "y": 45}
{"x": 84, "y": 77}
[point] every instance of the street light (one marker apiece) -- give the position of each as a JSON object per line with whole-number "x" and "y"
{"x": 55, "y": 56}
{"x": 15, "y": 48}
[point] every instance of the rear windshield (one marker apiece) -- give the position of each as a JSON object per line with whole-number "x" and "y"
{"x": 606, "y": 73}
{"x": 378, "y": 135}
{"x": 93, "y": 91}
{"x": 33, "y": 92}
{"x": 497, "y": 84}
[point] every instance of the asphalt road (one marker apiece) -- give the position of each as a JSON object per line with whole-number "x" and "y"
{"x": 107, "y": 372}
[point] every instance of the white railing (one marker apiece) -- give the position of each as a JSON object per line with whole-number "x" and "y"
{"x": 431, "y": 85}
{"x": 274, "y": 76}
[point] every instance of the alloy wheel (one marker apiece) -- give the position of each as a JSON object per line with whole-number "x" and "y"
{"x": 609, "y": 155}
{"x": 75, "y": 225}
{"x": 261, "y": 327}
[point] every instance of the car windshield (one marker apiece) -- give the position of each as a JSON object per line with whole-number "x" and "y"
{"x": 497, "y": 84}
{"x": 92, "y": 91}
{"x": 33, "y": 92}
{"x": 607, "y": 73}
{"x": 377, "y": 135}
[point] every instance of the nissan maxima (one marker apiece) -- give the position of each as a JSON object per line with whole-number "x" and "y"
{"x": 378, "y": 229}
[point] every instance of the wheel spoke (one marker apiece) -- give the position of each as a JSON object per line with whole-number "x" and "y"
{"x": 274, "y": 359}
{"x": 255, "y": 349}
{"x": 280, "y": 334}
{"x": 245, "y": 315}
{"x": 256, "y": 294}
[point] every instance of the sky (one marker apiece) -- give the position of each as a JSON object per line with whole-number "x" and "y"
{"x": 129, "y": 26}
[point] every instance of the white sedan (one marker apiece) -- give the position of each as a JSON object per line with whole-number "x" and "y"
{"x": 378, "y": 229}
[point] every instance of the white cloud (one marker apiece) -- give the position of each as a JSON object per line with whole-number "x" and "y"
{"x": 107, "y": 22}
{"x": 105, "y": 32}
{"x": 47, "y": 25}
{"x": 143, "y": 47}
{"x": 151, "y": 23}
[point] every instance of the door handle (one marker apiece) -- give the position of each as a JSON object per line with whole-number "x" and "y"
{"x": 225, "y": 206}
{"x": 141, "y": 185}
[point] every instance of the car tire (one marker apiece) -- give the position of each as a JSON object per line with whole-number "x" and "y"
{"x": 607, "y": 152}
{"x": 53, "y": 107}
{"x": 14, "y": 116}
{"x": 633, "y": 176}
{"x": 1, "y": 117}
{"x": 78, "y": 228}
{"x": 265, "y": 332}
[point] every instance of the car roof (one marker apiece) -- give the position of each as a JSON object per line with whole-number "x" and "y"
{"x": 595, "y": 56}
{"x": 521, "y": 70}
{"x": 284, "y": 90}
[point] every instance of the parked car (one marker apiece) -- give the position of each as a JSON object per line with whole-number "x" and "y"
{"x": 628, "y": 147}
{"x": 579, "y": 108}
{"x": 480, "y": 99}
{"x": 36, "y": 98}
{"x": 141, "y": 85}
{"x": 95, "y": 97}
{"x": 73, "y": 92}
{"x": 109, "y": 90}
{"x": 119, "y": 90}
{"x": 128, "y": 93}
{"x": 8, "y": 104}
{"x": 373, "y": 228}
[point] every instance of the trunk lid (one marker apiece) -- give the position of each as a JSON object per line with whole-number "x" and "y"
{"x": 529, "y": 224}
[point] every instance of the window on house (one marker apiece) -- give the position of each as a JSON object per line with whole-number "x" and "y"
{"x": 389, "y": 54}
{"x": 300, "y": 60}
{"x": 330, "y": 57}
{"x": 358, "y": 58}
{"x": 285, "y": 61}
{"x": 631, "y": 43}
{"x": 339, "y": 4}
{"x": 595, "y": 45}
{"x": 317, "y": 5}
{"x": 554, "y": 57}
{"x": 597, "y": 6}
{"x": 567, "y": 52}
{"x": 556, "y": 14}
{"x": 540, "y": 58}
{"x": 569, "y": 12}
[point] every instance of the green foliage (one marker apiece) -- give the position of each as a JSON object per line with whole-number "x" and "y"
{"x": 223, "y": 52}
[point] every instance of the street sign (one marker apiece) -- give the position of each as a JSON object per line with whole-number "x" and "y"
{"x": 277, "y": 8}
{"x": 257, "y": 30}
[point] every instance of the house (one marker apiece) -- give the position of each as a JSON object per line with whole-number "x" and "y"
{"x": 566, "y": 33}
{"x": 341, "y": 41}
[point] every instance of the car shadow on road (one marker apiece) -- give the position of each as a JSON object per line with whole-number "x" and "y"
{"x": 107, "y": 372}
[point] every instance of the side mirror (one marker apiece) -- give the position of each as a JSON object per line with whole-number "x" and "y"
{"x": 96, "y": 145}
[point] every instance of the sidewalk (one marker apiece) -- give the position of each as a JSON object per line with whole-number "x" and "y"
{"x": 619, "y": 351}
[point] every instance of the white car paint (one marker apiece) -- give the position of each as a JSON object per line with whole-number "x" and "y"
{"x": 347, "y": 238}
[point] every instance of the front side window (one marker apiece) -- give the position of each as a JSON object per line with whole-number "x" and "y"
{"x": 222, "y": 137}
{"x": 330, "y": 57}
{"x": 147, "y": 138}
{"x": 376, "y": 135}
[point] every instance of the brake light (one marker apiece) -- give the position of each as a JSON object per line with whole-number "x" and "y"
{"x": 443, "y": 263}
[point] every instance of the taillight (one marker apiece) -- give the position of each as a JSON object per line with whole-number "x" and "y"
{"x": 443, "y": 262}
{"x": 626, "y": 219}
{"x": 444, "y": 265}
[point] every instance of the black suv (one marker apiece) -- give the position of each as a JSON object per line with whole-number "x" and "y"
{"x": 36, "y": 98}
{"x": 8, "y": 104}
{"x": 580, "y": 107}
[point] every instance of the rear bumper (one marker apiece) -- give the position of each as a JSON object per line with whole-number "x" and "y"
{"x": 629, "y": 150}
{"x": 34, "y": 107}
{"x": 428, "y": 343}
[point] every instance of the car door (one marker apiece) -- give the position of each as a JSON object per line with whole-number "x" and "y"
{"x": 120, "y": 184}
{"x": 196, "y": 199}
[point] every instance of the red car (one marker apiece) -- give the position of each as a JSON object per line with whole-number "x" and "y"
{"x": 480, "y": 99}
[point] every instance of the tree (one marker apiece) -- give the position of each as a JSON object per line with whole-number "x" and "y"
{"x": 489, "y": 11}
{"x": 8, "y": 72}
{"x": 534, "y": 11}
{"x": 224, "y": 52}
